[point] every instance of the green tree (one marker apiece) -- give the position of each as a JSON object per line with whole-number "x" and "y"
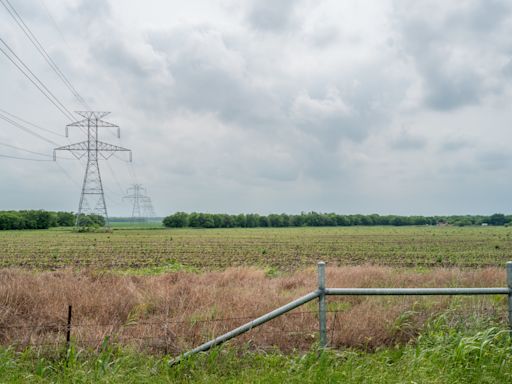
{"x": 497, "y": 219}
{"x": 177, "y": 220}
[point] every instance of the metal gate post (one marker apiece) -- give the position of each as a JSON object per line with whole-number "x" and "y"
{"x": 509, "y": 301}
{"x": 322, "y": 316}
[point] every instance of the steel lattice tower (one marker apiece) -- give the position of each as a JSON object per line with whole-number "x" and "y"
{"x": 92, "y": 198}
{"x": 142, "y": 206}
{"x": 147, "y": 208}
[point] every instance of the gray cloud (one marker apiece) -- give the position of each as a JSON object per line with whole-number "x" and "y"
{"x": 507, "y": 69}
{"x": 453, "y": 48}
{"x": 277, "y": 106}
{"x": 407, "y": 141}
{"x": 494, "y": 160}
{"x": 455, "y": 145}
{"x": 273, "y": 16}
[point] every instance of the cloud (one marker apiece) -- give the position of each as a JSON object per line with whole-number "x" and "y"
{"x": 454, "y": 145}
{"x": 331, "y": 107}
{"x": 277, "y": 106}
{"x": 494, "y": 160}
{"x": 272, "y": 16}
{"x": 450, "y": 48}
{"x": 507, "y": 68}
{"x": 405, "y": 141}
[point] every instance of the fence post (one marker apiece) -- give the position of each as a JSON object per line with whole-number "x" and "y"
{"x": 68, "y": 329}
{"x": 509, "y": 301}
{"x": 322, "y": 316}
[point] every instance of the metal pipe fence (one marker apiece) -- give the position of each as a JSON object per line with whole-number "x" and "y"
{"x": 322, "y": 292}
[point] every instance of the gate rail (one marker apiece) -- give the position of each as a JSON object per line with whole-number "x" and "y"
{"x": 322, "y": 292}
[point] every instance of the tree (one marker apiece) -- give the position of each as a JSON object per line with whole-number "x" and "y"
{"x": 497, "y": 219}
{"x": 178, "y": 220}
{"x": 65, "y": 219}
{"x": 275, "y": 220}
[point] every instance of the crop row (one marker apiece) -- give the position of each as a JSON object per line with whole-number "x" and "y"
{"x": 281, "y": 248}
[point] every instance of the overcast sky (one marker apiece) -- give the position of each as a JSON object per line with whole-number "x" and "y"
{"x": 270, "y": 106}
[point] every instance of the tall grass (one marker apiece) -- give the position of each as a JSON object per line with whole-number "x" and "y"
{"x": 443, "y": 353}
{"x": 173, "y": 312}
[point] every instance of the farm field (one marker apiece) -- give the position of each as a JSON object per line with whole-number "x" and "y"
{"x": 280, "y": 249}
{"x": 172, "y": 289}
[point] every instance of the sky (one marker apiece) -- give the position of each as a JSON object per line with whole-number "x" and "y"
{"x": 388, "y": 107}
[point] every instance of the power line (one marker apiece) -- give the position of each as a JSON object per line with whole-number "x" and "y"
{"x": 115, "y": 179}
{"x": 31, "y": 124}
{"x": 54, "y": 23}
{"x": 36, "y": 81}
{"x": 39, "y": 47}
{"x": 25, "y": 150}
{"x": 28, "y": 130}
{"x": 68, "y": 175}
{"x": 22, "y": 158}
{"x": 33, "y": 152}
{"x": 130, "y": 167}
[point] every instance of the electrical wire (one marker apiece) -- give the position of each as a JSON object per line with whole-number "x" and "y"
{"x": 33, "y": 152}
{"x": 35, "y": 80}
{"x": 25, "y": 150}
{"x": 28, "y": 130}
{"x": 40, "y": 48}
{"x": 54, "y": 22}
{"x": 23, "y": 158}
{"x": 67, "y": 174}
{"x": 31, "y": 124}
{"x": 22, "y": 67}
{"x": 115, "y": 178}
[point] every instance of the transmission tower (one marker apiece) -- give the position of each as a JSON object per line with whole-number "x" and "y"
{"x": 92, "y": 198}
{"x": 147, "y": 208}
{"x": 142, "y": 205}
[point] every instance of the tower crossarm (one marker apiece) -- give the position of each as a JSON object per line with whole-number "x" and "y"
{"x": 107, "y": 150}
{"x": 85, "y": 123}
{"x": 78, "y": 150}
{"x": 93, "y": 114}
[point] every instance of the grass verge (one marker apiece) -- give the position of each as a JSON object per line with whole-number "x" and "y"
{"x": 442, "y": 354}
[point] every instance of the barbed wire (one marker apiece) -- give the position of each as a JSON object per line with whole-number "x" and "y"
{"x": 168, "y": 338}
{"x": 134, "y": 323}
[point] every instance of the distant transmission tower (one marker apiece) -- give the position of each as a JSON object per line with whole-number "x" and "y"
{"x": 142, "y": 205}
{"x": 147, "y": 208}
{"x": 92, "y": 198}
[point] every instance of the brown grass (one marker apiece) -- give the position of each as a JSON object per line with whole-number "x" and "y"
{"x": 173, "y": 312}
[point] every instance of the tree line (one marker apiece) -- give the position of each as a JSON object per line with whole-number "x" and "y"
{"x": 315, "y": 219}
{"x": 40, "y": 219}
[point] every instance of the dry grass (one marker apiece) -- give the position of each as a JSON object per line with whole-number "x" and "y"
{"x": 172, "y": 312}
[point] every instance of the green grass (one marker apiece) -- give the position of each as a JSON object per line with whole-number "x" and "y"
{"x": 135, "y": 225}
{"x": 171, "y": 266}
{"x": 441, "y": 355}
{"x": 277, "y": 248}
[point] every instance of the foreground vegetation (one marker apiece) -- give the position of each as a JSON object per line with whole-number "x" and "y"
{"x": 278, "y": 248}
{"x": 173, "y": 312}
{"x": 442, "y": 354}
{"x": 141, "y": 297}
